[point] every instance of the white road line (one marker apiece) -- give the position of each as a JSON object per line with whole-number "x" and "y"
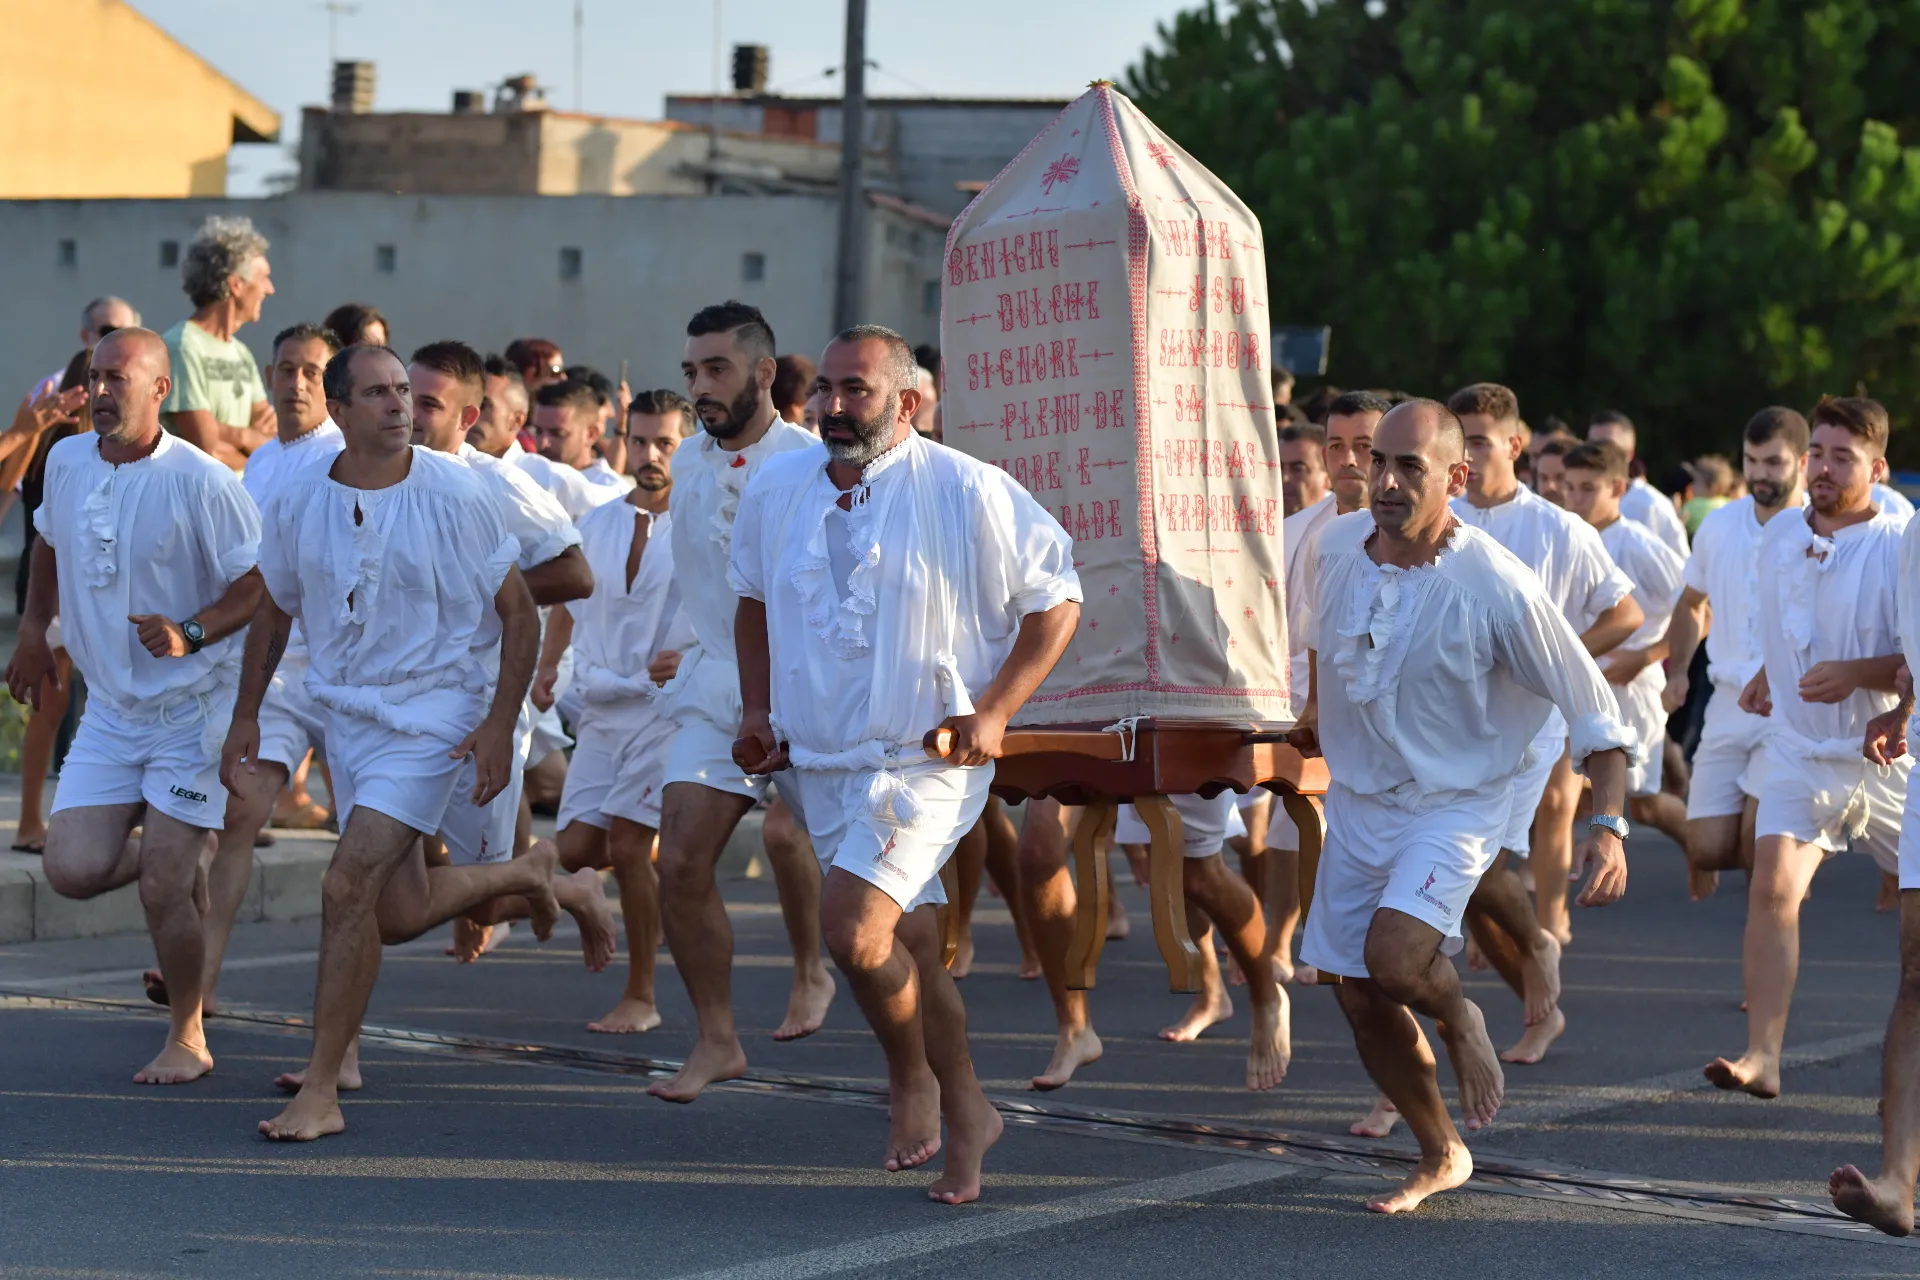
{"x": 974, "y": 1227}
{"x": 1583, "y": 1100}
{"x": 76, "y": 982}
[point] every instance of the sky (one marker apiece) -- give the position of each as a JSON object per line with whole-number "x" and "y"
{"x": 638, "y": 51}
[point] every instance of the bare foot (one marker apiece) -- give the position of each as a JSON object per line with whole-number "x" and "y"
{"x": 914, "y": 1117}
{"x": 1562, "y": 929}
{"x": 1030, "y": 969}
{"x": 1377, "y": 1123}
{"x": 1859, "y": 1197}
{"x": 178, "y": 1063}
{"x": 471, "y": 941}
{"x": 543, "y": 908}
{"x": 305, "y": 1119}
{"x": 585, "y": 899}
{"x": 1429, "y": 1177}
{"x": 806, "y": 1006}
{"x": 1482, "y": 1085}
{"x": 628, "y": 1017}
{"x": 1272, "y": 1045}
{"x": 1748, "y": 1074}
{"x": 1888, "y": 898}
{"x": 969, "y": 1136}
{"x": 1118, "y": 926}
{"x": 1306, "y": 976}
{"x": 1071, "y": 1051}
{"x": 707, "y": 1064}
{"x": 962, "y": 959}
{"x": 1282, "y": 969}
{"x": 1477, "y": 961}
{"x": 348, "y": 1080}
{"x": 1701, "y": 883}
{"x": 1540, "y": 978}
{"x": 1208, "y": 1007}
{"x": 1235, "y": 978}
{"x": 156, "y": 987}
{"x": 1533, "y": 1045}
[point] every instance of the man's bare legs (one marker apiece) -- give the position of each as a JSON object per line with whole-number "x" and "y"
{"x": 1230, "y": 904}
{"x": 247, "y": 811}
{"x": 626, "y": 847}
{"x": 1886, "y": 1202}
{"x": 1783, "y": 870}
{"x": 973, "y": 1124}
{"x": 1664, "y": 812}
{"x": 695, "y": 822}
{"x": 1003, "y": 872}
{"x": 970, "y": 865}
{"x": 379, "y": 889}
{"x": 1047, "y": 897}
{"x": 1525, "y": 954}
{"x": 89, "y": 852}
{"x": 1552, "y": 854}
{"x": 796, "y": 876}
{"x": 1211, "y": 1003}
{"x": 1255, "y": 869}
{"x": 1716, "y": 844}
{"x": 1408, "y": 972}
{"x": 546, "y": 779}
{"x": 36, "y": 753}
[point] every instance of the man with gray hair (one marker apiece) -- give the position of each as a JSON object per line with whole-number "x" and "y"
{"x": 218, "y": 401}
{"x": 97, "y": 319}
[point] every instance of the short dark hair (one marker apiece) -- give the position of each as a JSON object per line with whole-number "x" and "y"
{"x": 1866, "y": 419}
{"x": 1610, "y": 418}
{"x": 1352, "y": 402}
{"x": 350, "y": 321}
{"x": 793, "y": 377}
{"x": 304, "y": 330}
{"x": 531, "y": 353}
{"x": 458, "y": 361}
{"x": 338, "y": 379}
{"x": 1487, "y": 400}
{"x": 662, "y": 402}
{"x": 571, "y": 393}
{"x": 1557, "y": 446}
{"x": 1776, "y": 422}
{"x": 1603, "y": 456}
{"x": 1310, "y": 432}
{"x": 749, "y": 327}
{"x": 602, "y": 385}
{"x": 901, "y": 365}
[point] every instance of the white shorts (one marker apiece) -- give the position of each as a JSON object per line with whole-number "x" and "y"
{"x": 172, "y": 763}
{"x": 548, "y": 736}
{"x": 902, "y": 862}
{"x": 1530, "y": 783}
{"x": 1831, "y": 802}
{"x": 701, "y": 751}
{"x": 1424, "y": 865}
{"x": 617, "y": 765}
{"x": 1205, "y": 824}
{"x": 409, "y": 778}
{"x": 1640, "y": 708}
{"x": 1909, "y": 858}
{"x": 291, "y": 722}
{"x": 1723, "y": 763}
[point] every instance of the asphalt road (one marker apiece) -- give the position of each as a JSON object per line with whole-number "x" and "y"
{"x": 487, "y": 1144}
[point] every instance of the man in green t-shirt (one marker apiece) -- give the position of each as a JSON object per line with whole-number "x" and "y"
{"x": 218, "y": 401}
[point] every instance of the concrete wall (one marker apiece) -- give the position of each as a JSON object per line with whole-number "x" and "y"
{"x": 484, "y": 269}
{"x": 100, "y": 102}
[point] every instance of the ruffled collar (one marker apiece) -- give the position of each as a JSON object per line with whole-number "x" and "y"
{"x": 100, "y": 518}
{"x": 1378, "y": 630}
{"x": 1808, "y": 555}
{"x": 731, "y": 471}
{"x": 308, "y": 436}
{"x": 840, "y": 620}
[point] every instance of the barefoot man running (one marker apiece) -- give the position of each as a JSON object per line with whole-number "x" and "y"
{"x": 421, "y": 636}
{"x": 146, "y": 553}
{"x": 1422, "y": 741}
{"x": 885, "y": 583}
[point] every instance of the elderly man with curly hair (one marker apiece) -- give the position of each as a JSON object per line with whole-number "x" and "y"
{"x": 218, "y": 401}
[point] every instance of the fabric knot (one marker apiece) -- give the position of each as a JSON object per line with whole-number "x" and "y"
{"x": 946, "y": 669}
{"x": 891, "y": 801}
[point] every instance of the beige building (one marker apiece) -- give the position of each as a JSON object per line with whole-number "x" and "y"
{"x": 79, "y": 72}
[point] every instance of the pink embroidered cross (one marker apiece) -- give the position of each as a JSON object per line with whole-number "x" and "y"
{"x": 1061, "y": 171}
{"x": 1161, "y": 156}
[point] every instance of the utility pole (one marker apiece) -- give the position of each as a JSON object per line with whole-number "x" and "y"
{"x": 579, "y": 37}
{"x": 849, "y": 287}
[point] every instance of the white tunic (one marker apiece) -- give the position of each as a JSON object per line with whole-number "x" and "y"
{"x": 268, "y": 467}
{"x": 618, "y": 629}
{"x": 1645, "y": 505}
{"x": 1725, "y": 567}
{"x": 1891, "y": 500}
{"x": 1561, "y": 548}
{"x": 168, "y": 535}
{"x": 576, "y": 494}
{"x": 1656, "y": 571}
{"x": 1434, "y": 680}
{"x": 1824, "y": 600}
{"x": 708, "y": 482}
{"x": 947, "y": 556}
{"x": 1295, "y": 532}
{"x": 601, "y": 472}
{"x": 395, "y": 588}
{"x": 535, "y": 520}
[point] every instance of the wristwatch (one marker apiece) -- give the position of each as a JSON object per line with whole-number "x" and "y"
{"x": 1612, "y": 822}
{"x": 195, "y": 633}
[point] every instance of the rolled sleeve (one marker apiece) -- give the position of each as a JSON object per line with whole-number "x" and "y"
{"x": 1025, "y": 557}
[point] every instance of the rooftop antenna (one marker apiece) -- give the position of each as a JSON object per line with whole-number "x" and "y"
{"x": 334, "y": 9}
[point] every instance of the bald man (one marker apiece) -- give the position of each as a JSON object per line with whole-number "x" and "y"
{"x": 148, "y": 551}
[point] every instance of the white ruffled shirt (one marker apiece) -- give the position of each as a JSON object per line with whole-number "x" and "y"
{"x": 1891, "y": 500}
{"x": 1561, "y": 548}
{"x": 1648, "y": 507}
{"x": 398, "y": 604}
{"x": 948, "y": 556}
{"x": 618, "y": 629}
{"x": 535, "y": 520}
{"x": 1725, "y": 567}
{"x": 168, "y": 535}
{"x": 1434, "y": 680}
{"x": 1296, "y": 531}
{"x": 1824, "y": 600}
{"x": 1657, "y": 574}
{"x": 575, "y": 493}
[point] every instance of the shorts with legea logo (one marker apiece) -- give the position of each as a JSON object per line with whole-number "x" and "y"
{"x": 1205, "y": 825}
{"x": 902, "y": 862}
{"x": 617, "y": 765}
{"x": 291, "y": 722}
{"x": 1377, "y": 854}
{"x": 409, "y": 777}
{"x": 172, "y": 763}
{"x": 702, "y": 752}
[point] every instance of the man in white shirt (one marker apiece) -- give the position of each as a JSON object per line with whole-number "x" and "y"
{"x": 1722, "y": 604}
{"x": 626, "y": 638}
{"x": 1830, "y": 650}
{"x": 729, "y": 366}
{"x": 1303, "y": 465}
{"x": 503, "y": 412}
{"x": 1643, "y": 503}
{"x": 1422, "y": 741}
{"x": 1596, "y": 477}
{"x": 1597, "y": 601}
{"x": 421, "y": 638}
{"x": 147, "y": 553}
{"x": 961, "y": 586}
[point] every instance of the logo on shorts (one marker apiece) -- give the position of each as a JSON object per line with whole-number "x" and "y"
{"x": 886, "y": 863}
{"x": 198, "y": 797}
{"x": 1433, "y": 873}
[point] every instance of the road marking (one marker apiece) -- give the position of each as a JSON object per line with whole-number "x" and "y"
{"x": 977, "y": 1227}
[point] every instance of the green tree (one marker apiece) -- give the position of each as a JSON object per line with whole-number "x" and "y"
{"x": 1683, "y": 209}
